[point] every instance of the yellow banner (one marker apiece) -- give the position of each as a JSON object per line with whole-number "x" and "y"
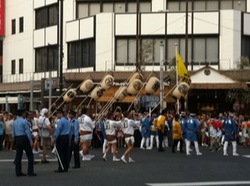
{"x": 182, "y": 70}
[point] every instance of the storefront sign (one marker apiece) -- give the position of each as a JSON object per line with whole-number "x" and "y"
{"x": 2, "y": 17}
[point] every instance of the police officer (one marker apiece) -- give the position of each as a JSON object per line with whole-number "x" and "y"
{"x": 74, "y": 146}
{"x": 62, "y": 140}
{"x": 24, "y": 142}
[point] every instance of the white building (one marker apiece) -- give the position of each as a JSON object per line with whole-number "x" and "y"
{"x": 101, "y": 35}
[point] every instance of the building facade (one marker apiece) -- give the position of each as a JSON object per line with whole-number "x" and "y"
{"x": 117, "y": 35}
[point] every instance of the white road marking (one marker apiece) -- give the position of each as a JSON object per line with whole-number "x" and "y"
{"x": 201, "y": 183}
{"x": 246, "y": 156}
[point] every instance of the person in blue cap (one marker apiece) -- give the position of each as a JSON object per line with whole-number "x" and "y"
{"x": 24, "y": 142}
{"x": 192, "y": 126}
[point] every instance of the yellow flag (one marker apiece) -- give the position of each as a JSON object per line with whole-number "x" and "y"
{"x": 182, "y": 70}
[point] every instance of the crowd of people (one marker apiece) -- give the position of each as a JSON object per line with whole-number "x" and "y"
{"x": 69, "y": 132}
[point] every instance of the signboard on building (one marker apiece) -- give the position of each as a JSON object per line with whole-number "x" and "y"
{"x": 2, "y": 17}
{"x": 150, "y": 101}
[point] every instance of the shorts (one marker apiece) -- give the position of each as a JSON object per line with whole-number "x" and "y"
{"x": 35, "y": 135}
{"x": 8, "y": 137}
{"x": 112, "y": 142}
{"x": 46, "y": 142}
{"x": 130, "y": 139}
{"x": 86, "y": 137}
{"x": 120, "y": 135}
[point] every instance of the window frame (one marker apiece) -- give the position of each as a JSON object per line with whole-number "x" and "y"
{"x": 13, "y": 66}
{"x": 45, "y": 18}
{"x": 21, "y": 24}
{"x": 81, "y": 54}
{"x": 13, "y": 26}
{"x": 43, "y": 60}
{"x": 21, "y": 66}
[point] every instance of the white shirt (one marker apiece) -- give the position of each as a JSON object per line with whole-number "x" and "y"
{"x": 129, "y": 126}
{"x": 111, "y": 125}
{"x": 43, "y": 123}
{"x": 9, "y": 126}
{"x": 212, "y": 131}
{"x": 86, "y": 123}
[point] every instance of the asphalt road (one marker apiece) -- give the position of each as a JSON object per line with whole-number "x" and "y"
{"x": 151, "y": 168}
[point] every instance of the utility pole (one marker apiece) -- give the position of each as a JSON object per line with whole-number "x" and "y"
{"x": 31, "y": 92}
{"x": 60, "y": 44}
{"x": 186, "y": 37}
{"x": 161, "y": 75}
{"x": 50, "y": 90}
{"x": 138, "y": 48}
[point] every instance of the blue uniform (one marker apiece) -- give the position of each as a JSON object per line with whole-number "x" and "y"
{"x": 75, "y": 129}
{"x": 183, "y": 127}
{"x": 102, "y": 127}
{"x": 21, "y": 128}
{"x": 23, "y": 141}
{"x": 1, "y": 134}
{"x": 63, "y": 128}
{"x": 1, "y": 128}
{"x": 145, "y": 128}
{"x": 230, "y": 129}
{"x": 74, "y": 146}
{"x": 192, "y": 126}
{"x": 62, "y": 138}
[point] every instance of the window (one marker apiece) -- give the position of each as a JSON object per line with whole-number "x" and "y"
{"x": 13, "y": 26}
{"x": 13, "y": 66}
{"x": 206, "y": 50}
{"x": 226, "y": 4}
{"x": 120, "y": 7}
{"x": 245, "y": 45}
{"x": 20, "y": 66}
{"x": 201, "y": 5}
{"x": 82, "y": 10}
{"x": 46, "y": 58}
{"x": 107, "y": 7}
{"x": 47, "y": 16}
{"x": 212, "y": 5}
{"x": 94, "y": 9}
{"x": 126, "y": 51}
{"x": 53, "y": 15}
{"x": 90, "y": 8}
{"x": 239, "y": 5}
{"x": 21, "y": 24}
{"x": 81, "y": 53}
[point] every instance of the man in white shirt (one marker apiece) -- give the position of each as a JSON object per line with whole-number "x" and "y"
{"x": 86, "y": 127}
{"x": 45, "y": 132}
{"x": 110, "y": 126}
{"x": 128, "y": 128}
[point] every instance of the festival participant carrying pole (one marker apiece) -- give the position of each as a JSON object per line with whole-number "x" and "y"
{"x": 60, "y": 97}
{"x": 182, "y": 88}
{"x": 165, "y": 96}
{"x": 120, "y": 91}
{"x": 140, "y": 91}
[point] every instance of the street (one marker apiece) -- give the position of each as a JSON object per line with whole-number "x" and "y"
{"x": 151, "y": 168}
